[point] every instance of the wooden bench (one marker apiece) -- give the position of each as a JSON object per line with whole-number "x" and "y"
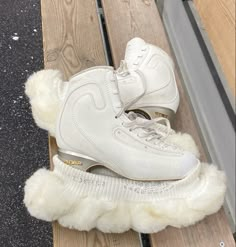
{"x": 73, "y": 41}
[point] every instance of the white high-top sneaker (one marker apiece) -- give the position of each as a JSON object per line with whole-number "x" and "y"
{"x": 93, "y": 125}
{"x": 147, "y": 72}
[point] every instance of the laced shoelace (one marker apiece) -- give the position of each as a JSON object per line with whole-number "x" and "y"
{"x": 150, "y": 127}
{"x": 123, "y": 69}
{"x": 149, "y": 131}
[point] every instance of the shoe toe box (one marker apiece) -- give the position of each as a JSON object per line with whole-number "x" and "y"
{"x": 188, "y": 163}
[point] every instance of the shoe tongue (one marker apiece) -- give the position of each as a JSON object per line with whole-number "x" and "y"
{"x": 133, "y": 48}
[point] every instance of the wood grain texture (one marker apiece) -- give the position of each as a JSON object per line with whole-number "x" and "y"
{"x": 93, "y": 238}
{"x": 71, "y": 35}
{"x": 211, "y": 232}
{"x": 72, "y": 42}
{"x": 126, "y": 19}
{"x": 218, "y": 18}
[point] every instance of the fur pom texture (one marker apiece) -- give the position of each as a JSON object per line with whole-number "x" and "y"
{"x": 45, "y": 90}
{"x": 185, "y": 141}
{"x": 83, "y": 201}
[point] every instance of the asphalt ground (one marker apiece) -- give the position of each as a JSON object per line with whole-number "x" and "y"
{"x": 23, "y": 146}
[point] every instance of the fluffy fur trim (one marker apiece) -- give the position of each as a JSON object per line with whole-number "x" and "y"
{"x": 185, "y": 141}
{"x": 43, "y": 196}
{"x": 44, "y": 89}
{"x": 48, "y": 197}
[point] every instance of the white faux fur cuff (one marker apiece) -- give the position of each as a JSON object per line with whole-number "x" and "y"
{"x": 45, "y": 90}
{"x": 84, "y": 201}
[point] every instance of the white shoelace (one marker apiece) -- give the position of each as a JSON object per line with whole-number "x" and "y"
{"x": 157, "y": 128}
{"x": 123, "y": 69}
{"x": 150, "y": 131}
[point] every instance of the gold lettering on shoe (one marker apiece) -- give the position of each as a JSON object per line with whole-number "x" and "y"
{"x": 73, "y": 162}
{"x": 158, "y": 114}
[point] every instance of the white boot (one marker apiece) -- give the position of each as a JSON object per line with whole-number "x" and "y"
{"x": 92, "y": 124}
{"x": 46, "y": 91}
{"x": 157, "y": 89}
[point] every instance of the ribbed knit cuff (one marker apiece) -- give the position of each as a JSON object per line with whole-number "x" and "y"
{"x": 115, "y": 189}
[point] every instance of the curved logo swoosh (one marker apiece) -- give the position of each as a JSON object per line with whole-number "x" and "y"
{"x": 90, "y": 89}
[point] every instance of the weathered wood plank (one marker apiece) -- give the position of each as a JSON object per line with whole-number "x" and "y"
{"x": 63, "y": 237}
{"x": 72, "y": 42}
{"x": 71, "y": 35}
{"x": 218, "y": 18}
{"x": 213, "y": 231}
{"x": 127, "y": 19}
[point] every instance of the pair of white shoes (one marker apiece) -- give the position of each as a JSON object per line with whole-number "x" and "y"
{"x": 92, "y": 122}
{"x": 98, "y": 119}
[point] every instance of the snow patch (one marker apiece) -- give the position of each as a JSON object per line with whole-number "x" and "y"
{"x": 15, "y": 38}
